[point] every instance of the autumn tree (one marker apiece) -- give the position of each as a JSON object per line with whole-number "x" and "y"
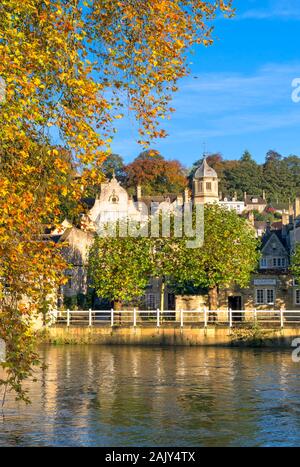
{"x": 68, "y": 69}
{"x": 228, "y": 256}
{"x": 155, "y": 174}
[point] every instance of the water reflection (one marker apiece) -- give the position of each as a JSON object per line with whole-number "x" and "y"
{"x": 114, "y": 396}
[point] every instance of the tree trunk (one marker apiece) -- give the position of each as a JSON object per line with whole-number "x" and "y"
{"x": 213, "y": 302}
{"x": 162, "y": 294}
{"x": 117, "y": 307}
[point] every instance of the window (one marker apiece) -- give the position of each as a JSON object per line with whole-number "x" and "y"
{"x": 208, "y": 186}
{"x": 270, "y": 296}
{"x": 279, "y": 262}
{"x": 263, "y": 262}
{"x": 259, "y": 296}
{"x": 297, "y": 297}
{"x": 114, "y": 199}
{"x": 265, "y": 296}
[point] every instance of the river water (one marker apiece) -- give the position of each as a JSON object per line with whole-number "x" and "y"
{"x": 145, "y": 396}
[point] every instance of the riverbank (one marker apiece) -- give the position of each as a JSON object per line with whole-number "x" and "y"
{"x": 252, "y": 336}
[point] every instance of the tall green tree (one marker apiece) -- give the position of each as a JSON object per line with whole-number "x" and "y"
{"x": 246, "y": 176}
{"x": 119, "y": 268}
{"x": 114, "y": 164}
{"x": 228, "y": 256}
{"x": 277, "y": 178}
{"x": 295, "y": 263}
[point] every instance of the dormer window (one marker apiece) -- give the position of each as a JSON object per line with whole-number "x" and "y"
{"x": 279, "y": 262}
{"x": 254, "y": 200}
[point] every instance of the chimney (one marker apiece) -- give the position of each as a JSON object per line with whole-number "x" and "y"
{"x": 186, "y": 195}
{"x": 285, "y": 222}
{"x": 285, "y": 218}
{"x": 180, "y": 200}
{"x": 251, "y": 217}
{"x": 297, "y": 206}
{"x": 220, "y": 196}
{"x": 245, "y": 195}
{"x": 234, "y": 196}
{"x": 268, "y": 229}
{"x": 264, "y": 195}
{"x": 139, "y": 192}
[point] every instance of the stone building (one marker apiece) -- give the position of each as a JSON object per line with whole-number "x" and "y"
{"x": 112, "y": 203}
{"x": 271, "y": 287}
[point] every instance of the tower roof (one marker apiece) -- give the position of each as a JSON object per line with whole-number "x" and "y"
{"x": 205, "y": 171}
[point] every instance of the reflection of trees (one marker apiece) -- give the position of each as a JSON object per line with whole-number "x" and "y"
{"x": 114, "y": 395}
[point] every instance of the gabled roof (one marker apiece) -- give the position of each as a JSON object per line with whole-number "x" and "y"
{"x": 278, "y": 234}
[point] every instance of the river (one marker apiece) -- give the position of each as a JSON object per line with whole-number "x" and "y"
{"x": 146, "y": 396}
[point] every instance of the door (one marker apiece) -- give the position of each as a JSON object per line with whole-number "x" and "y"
{"x": 235, "y": 304}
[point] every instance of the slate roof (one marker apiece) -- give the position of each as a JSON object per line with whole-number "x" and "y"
{"x": 157, "y": 199}
{"x": 249, "y": 199}
{"x": 205, "y": 171}
{"x": 266, "y": 237}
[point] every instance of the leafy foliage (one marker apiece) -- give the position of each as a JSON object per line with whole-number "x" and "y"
{"x": 295, "y": 263}
{"x": 228, "y": 256}
{"x": 67, "y": 66}
{"x": 278, "y": 176}
{"x": 155, "y": 174}
{"x": 119, "y": 267}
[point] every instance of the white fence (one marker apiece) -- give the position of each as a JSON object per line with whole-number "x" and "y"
{"x": 201, "y": 318}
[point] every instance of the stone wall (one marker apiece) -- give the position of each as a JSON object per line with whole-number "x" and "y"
{"x": 169, "y": 336}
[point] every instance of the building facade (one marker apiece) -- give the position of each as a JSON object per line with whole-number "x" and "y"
{"x": 272, "y": 287}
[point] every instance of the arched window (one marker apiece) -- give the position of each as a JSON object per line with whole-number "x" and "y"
{"x": 114, "y": 199}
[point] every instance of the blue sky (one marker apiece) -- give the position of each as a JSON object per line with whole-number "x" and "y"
{"x": 238, "y": 95}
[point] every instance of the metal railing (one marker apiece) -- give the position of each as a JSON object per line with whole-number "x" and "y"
{"x": 201, "y": 318}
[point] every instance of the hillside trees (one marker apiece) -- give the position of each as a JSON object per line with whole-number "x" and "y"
{"x": 278, "y": 176}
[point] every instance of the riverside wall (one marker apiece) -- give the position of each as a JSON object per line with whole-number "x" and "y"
{"x": 171, "y": 336}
